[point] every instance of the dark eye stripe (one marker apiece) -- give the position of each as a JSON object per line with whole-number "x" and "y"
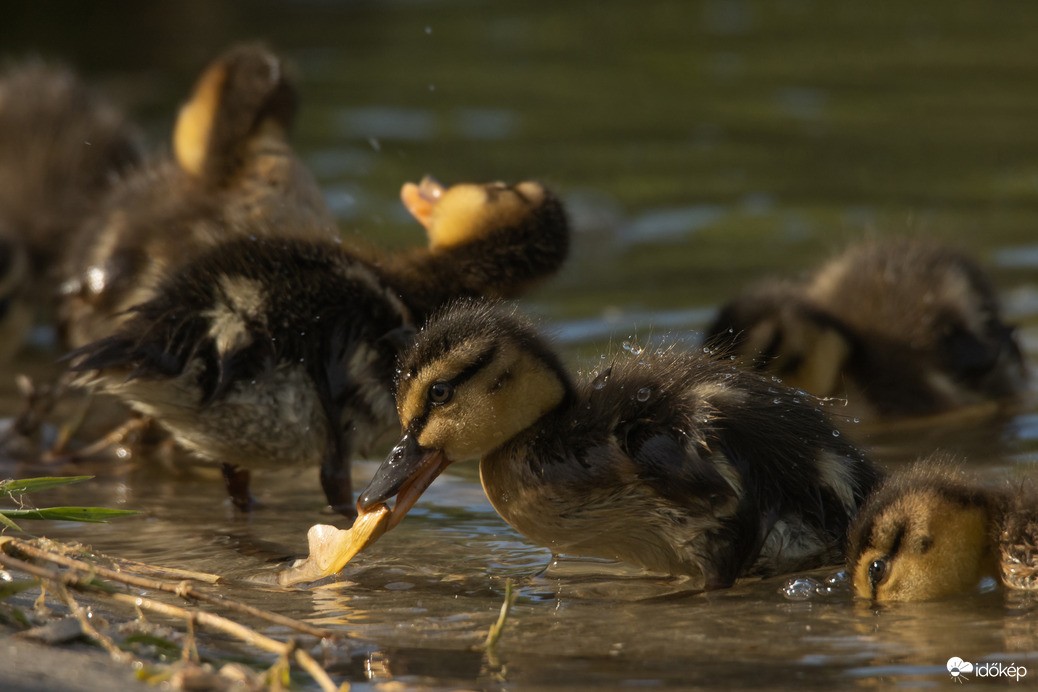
{"x": 470, "y": 370}
{"x": 417, "y": 423}
{"x": 897, "y": 540}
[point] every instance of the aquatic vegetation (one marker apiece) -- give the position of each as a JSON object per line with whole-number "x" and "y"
{"x": 15, "y": 490}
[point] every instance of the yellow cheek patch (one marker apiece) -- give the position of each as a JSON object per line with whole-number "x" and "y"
{"x": 196, "y": 119}
{"x": 824, "y": 359}
{"x": 959, "y": 554}
{"x": 959, "y": 557}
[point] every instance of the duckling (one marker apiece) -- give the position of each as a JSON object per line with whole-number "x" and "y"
{"x": 669, "y": 461}
{"x": 899, "y": 327}
{"x": 929, "y": 532}
{"x": 275, "y": 349}
{"x": 61, "y": 148}
{"x": 231, "y": 165}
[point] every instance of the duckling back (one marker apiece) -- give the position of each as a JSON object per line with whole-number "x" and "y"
{"x": 233, "y": 174}
{"x": 262, "y": 352}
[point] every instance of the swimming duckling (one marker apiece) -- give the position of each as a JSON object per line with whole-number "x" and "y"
{"x": 669, "y": 461}
{"x": 897, "y": 327}
{"x": 929, "y": 532}
{"x": 267, "y": 351}
{"x": 231, "y": 166}
{"x": 61, "y": 148}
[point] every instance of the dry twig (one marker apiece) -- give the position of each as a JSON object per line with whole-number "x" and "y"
{"x": 84, "y": 576}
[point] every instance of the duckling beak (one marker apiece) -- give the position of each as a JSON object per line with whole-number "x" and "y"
{"x": 407, "y": 472}
{"x": 421, "y": 199}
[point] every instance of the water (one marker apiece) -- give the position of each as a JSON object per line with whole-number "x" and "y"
{"x": 699, "y": 146}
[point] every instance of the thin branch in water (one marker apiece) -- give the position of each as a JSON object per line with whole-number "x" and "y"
{"x": 182, "y": 589}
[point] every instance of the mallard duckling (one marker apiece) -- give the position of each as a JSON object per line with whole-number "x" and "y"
{"x": 61, "y": 148}
{"x": 231, "y": 166}
{"x": 929, "y": 532}
{"x": 273, "y": 350}
{"x": 897, "y": 327}
{"x": 669, "y": 461}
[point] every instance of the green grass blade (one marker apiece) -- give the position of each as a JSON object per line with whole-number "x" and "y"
{"x": 31, "y": 485}
{"x": 10, "y": 588}
{"x": 98, "y": 515}
{"x": 8, "y": 523}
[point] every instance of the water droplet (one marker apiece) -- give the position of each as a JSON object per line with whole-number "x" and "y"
{"x": 776, "y": 401}
{"x": 800, "y": 588}
{"x": 601, "y": 378}
{"x": 857, "y": 420}
{"x": 836, "y": 433}
{"x": 643, "y": 394}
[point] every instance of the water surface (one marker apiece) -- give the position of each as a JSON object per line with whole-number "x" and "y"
{"x": 699, "y": 146}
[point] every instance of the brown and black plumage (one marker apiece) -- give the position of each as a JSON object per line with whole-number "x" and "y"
{"x": 930, "y": 531}
{"x": 897, "y": 327}
{"x": 62, "y": 146}
{"x": 232, "y": 174}
{"x": 271, "y": 351}
{"x": 214, "y": 294}
{"x": 666, "y": 460}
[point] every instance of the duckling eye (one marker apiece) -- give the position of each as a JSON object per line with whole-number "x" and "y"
{"x": 440, "y": 392}
{"x": 877, "y": 572}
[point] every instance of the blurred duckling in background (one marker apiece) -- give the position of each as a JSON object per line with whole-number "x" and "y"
{"x": 61, "y": 148}
{"x": 898, "y": 327}
{"x": 929, "y": 532}
{"x": 232, "y": 166}
{"x": 669, "y": 461}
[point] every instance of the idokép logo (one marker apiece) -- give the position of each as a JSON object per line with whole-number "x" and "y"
{"x": 959, "y": 670}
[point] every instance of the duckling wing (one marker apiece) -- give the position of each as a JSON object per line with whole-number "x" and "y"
{"x": 676, "y": 473}
{"x": 703, "y": 488}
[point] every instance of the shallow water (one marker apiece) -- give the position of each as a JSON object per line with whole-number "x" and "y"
{"x": 698, "y": 145}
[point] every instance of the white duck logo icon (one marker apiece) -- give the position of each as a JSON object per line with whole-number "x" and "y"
{"x": 957, "y": 668}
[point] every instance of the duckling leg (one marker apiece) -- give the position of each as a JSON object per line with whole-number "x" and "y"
{"x": 338, "y": 488}
{"x": 236, "y": 480}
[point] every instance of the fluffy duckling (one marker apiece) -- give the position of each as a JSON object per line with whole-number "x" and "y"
{"x": 669, "y": 461}
{"x": 231, "y": 166}
{"x": 928, "y": 532}
{"x": 273, "y": 350}
{"x": 897, "y": 327}
{"x": 61, "y": 148}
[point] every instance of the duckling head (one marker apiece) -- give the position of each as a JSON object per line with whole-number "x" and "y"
{"x": 243, "y": 95}
{"x": 469, "y": 211}
{"x": 922, "y": 535}
{"x": 772, "y": 327}
{"x": 475, "y": 377}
